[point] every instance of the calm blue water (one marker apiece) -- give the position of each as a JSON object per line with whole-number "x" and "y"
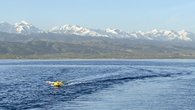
{"x": 98, "y": 85}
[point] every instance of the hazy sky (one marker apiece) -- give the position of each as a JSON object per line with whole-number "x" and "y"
{"x": 128, "y": 15}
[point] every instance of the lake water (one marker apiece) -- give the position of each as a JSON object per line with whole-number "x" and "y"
{"x": 97, "y": 85}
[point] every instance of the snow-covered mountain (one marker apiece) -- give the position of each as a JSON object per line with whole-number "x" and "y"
{"x": 22, "y": 27}
{"x": 117, "y": 33}
{"x": 164, "y": 35}
{"x": 161, "y": 35}
{"x": 76, "y": 30}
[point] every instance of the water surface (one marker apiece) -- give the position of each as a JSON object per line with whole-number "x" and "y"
{"x": 98, "y": 84}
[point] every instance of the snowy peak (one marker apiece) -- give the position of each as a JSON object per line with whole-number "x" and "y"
{"x": 155, "y": 34}
{"x": 112, "y": 31}
{"x": 168, "y": 35}
{"x": 74, "y": 29}
{"x": 186, "y": 35}
{"x": 23, "y": 23}
{"x": 117, "y": 33}
{"x": 24, "y": 27}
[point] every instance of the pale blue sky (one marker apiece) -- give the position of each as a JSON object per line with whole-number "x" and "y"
{"x": 128, "y": 15}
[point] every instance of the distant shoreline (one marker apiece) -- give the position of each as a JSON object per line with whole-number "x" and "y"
{"x": 97, "y": 59}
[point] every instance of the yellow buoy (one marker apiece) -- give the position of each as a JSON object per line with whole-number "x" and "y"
{"x": 58, "y": 84}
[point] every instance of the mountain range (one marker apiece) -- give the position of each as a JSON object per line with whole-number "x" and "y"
{"x": 24, "y": 40}
{"x": 26, "y": 28}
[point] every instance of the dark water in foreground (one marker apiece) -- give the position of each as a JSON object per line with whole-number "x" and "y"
{"x": 98, "y": 85}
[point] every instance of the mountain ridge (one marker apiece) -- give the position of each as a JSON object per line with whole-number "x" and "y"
{"x": 51, "y": 45}
{"x": 24, "y": 27}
